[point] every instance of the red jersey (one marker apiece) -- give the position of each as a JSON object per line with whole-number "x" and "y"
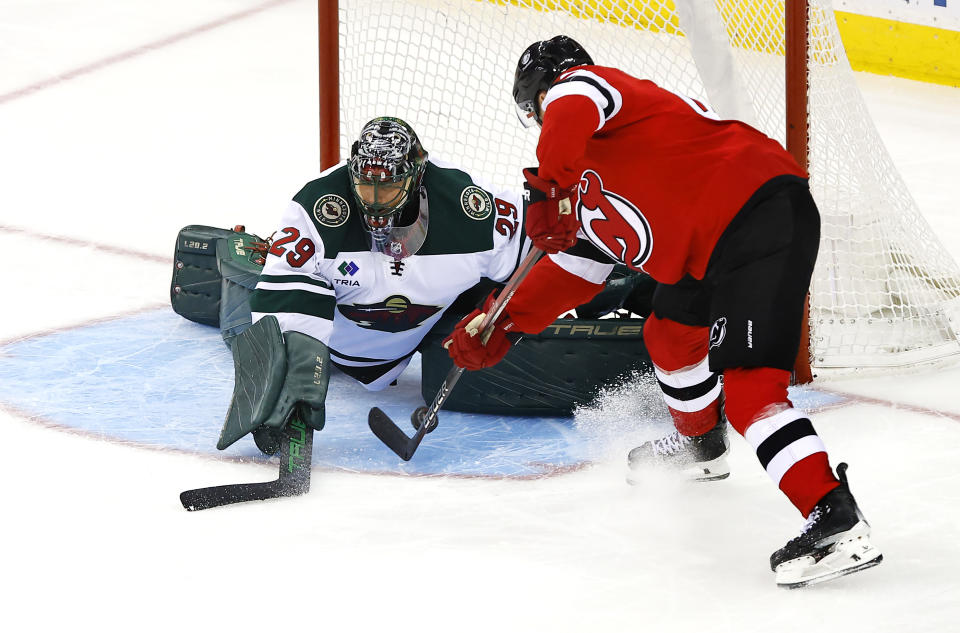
{"x": 661, "y": 175}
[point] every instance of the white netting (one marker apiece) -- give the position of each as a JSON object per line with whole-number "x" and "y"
{"x": 885, "y": 293}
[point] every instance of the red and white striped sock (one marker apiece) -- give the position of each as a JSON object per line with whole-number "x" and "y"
{"x": 784, "y": 439}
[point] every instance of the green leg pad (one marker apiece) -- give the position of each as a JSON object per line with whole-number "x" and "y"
{"x": 259, "y": 366}
{"x": 305, "y": 386}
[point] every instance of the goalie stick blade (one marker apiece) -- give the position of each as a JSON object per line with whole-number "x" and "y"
{"x": 391, "y": 435}
{"x": 296, "y": 457}
{"x": 215, "y": 496}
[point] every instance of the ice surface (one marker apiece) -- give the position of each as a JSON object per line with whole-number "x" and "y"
{"x": 155, "y": 379}
{"x": 190, "y": 113}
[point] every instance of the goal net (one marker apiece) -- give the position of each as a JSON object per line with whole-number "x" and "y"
{"x": 885, "y": 293}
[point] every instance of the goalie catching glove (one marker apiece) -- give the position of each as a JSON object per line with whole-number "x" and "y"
{"x": 551, "y": 223}
{"x": 275, "y": 380}
{"x": 465, "y": 344}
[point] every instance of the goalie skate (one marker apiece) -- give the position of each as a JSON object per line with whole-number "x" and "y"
{"x": 700, "y": 458}
{"x": 834, "y": 542}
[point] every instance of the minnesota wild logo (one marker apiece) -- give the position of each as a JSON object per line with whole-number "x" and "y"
{"x": 396, "y": 313}
{"x": 331, "y": 210}
{"x": 476, "y": 203}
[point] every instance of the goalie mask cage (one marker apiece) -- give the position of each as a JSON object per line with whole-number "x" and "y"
{"x": 885, "y": 293}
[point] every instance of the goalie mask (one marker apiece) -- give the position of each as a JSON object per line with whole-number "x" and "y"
{"x": 386, "y": 168}
{"x": 539, "y": 67}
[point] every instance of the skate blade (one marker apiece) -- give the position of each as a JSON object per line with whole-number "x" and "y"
{"x": 702, "y": 471}
{"x": 848, "y": 555}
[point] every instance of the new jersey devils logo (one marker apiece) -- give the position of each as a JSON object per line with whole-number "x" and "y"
{"x": 612, "y": 223}
{"x": 718, "y": 332}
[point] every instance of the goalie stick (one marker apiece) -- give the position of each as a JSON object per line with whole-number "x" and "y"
{"x": 296, "y": 455}
{"x": 425, "y": 419}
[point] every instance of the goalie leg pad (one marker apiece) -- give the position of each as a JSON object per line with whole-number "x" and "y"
{"x": 274, "y": 380}
{"x": 259, "y": 367}
{"x": 305, "y": 384}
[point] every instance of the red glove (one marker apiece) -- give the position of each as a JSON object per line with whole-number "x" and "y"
{"x": 551, "y": 223}
{"x": 465, "y": 347}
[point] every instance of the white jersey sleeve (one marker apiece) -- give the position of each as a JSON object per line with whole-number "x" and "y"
{"x": 510, "y": 242}
{"x": 291, "y": 288}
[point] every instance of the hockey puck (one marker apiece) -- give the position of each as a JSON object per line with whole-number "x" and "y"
{"x": 416, "y": 418}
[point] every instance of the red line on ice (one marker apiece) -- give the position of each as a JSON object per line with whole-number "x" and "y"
{"x": 136, "y": 52}
{"x": 72, "y": 241}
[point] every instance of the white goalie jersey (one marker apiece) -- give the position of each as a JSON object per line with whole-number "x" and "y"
{"x": 322, "y": 278}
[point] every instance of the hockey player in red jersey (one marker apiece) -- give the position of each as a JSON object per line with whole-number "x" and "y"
{"x": 722, "y": 217}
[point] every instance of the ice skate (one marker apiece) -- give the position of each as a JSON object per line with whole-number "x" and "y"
{"x": 835, "y": 541}
{"x": 700, "y": 458}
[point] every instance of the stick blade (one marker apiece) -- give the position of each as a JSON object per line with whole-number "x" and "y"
{"x": 293, "y": 479}
{"x": 391, "y": 435}
{"x": 216, "y": 496}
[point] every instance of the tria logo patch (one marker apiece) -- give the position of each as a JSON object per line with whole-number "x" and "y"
{"x": 612, "y": 223}
{"x": 348, "y": 268}
{"x": 396, "y": 313}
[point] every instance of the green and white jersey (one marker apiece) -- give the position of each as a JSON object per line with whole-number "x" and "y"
{"x": 321, "y": 277}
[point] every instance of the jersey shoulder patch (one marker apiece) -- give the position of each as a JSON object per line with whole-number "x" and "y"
{"x": 476, "y": 203}
{"x": 332, "y": 210}
{"x": 461, "y": 212}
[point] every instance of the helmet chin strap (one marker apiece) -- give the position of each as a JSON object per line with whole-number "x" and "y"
{"x": 401, "y": 241}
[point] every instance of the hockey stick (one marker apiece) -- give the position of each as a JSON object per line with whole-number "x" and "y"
{"x": 424, "y": 419}
{"x": 296, "y": 455}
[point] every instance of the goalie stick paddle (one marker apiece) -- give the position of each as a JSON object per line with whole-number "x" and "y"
{"x": 296, "y": 455}
{"x": 425, "y": 418}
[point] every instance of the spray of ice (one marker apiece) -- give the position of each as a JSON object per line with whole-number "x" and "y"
{"x": 623, "y": 414}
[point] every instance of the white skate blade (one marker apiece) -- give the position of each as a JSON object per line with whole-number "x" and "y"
{"x": 708, "y": 471}
{"x": 851, "y": 553}
{"x": 701, "y": 471}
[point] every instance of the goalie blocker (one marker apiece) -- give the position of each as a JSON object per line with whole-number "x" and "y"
{"x": 215, "y": 271}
